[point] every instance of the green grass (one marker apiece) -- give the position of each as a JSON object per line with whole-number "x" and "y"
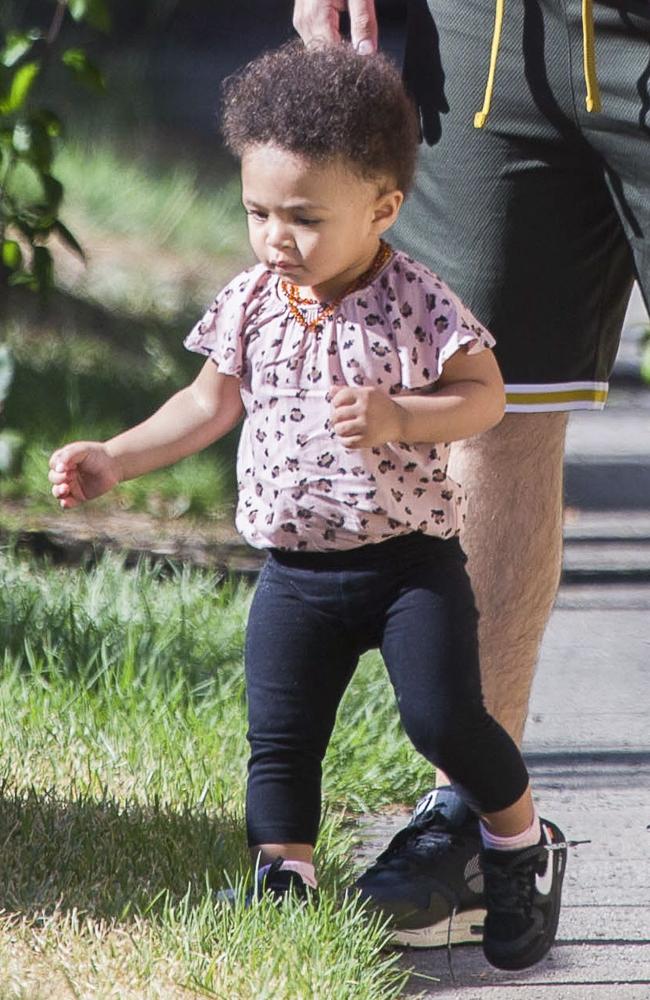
{"x": 167, "y": 206}
{"x": 122, "y": 721}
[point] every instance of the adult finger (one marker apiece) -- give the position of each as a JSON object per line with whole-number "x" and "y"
{"x": 363, "y": 26}
{"x": 317, "y": 21}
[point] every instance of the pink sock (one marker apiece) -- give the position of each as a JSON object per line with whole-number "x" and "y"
{"x": 305, "y": 869}
{"x": 527, "y": 838}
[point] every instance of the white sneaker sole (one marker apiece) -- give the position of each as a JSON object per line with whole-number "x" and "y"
{"x": 466, "y": 928}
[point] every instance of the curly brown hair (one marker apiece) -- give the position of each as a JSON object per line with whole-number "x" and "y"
{"x": 325, "y": 104}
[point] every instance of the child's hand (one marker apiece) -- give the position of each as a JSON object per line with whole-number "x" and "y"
{"x": 82, "y": 471}
{"x": 364, "y": 417}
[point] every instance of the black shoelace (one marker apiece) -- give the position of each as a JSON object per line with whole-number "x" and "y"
{"x": 424, "y": 836}
{"x": 510, "y": 885}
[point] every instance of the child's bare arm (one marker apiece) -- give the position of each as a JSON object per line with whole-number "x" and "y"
{"x": 469, "y": 399}
{"x": 190, "y": 420}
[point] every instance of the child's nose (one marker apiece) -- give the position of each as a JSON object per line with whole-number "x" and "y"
{"x": 279, "y": 235}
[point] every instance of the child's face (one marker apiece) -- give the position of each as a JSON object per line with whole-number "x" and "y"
{"x": 317, "y": 225}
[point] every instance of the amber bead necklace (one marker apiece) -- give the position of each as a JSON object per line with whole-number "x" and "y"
{"x": 296, "y": 300}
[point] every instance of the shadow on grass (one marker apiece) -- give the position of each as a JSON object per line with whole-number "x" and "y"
{"x": 60, "y": 309}
{"x": 85, "y": 371}
{"x": 108, "y": 859}
{"x": 79, "y": 361}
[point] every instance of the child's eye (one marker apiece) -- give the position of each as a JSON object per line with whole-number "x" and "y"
{"x": 254, "y": 213}
{"x": 307, "y": 222}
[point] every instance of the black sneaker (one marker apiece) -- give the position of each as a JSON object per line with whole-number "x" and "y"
{"x": 429, "y": 881}
{"x": 522, "y": 892}
{"x": 278, "y": 883}
{"x": 275, "y": 882}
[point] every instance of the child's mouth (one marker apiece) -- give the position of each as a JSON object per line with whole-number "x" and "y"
{"x": 283, "y": 265}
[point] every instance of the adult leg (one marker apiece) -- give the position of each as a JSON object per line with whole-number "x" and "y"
{"x": 519, "y": 220}
{"x": 513, "y": 540}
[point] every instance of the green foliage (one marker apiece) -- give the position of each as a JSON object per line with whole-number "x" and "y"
{"x": 11, "y": 442}
{"x": 6, "y": 371}
{"x": 645, "y": 357}
{"x": 29, "y": 133}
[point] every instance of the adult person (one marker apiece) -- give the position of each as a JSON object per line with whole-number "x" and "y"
{"x": 533, "y": 202}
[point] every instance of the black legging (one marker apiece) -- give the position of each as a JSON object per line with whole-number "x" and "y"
{"x": 312, "y": 617}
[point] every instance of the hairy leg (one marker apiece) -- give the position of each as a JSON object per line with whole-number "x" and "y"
{"x": 513, "y": 539}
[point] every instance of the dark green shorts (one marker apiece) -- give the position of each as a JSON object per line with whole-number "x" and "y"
{"x": 540, "y": 221}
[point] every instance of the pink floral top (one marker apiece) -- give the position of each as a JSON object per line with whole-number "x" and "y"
{"x": 299, "y": 488}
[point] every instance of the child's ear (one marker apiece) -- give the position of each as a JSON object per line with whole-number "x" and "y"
{"x": 387, "y": 209}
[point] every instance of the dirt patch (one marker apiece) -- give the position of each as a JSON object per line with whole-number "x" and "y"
{"x": 80, "y": 537}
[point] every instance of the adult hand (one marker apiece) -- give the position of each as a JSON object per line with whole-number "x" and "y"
{"x": 317, "y": 22}
{"x": 82, "y": 471}
{"x": 363, "y": 417}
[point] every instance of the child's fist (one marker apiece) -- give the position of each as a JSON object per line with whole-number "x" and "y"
{"x": 363, "y": 417}
{"x": 82, "y": 471}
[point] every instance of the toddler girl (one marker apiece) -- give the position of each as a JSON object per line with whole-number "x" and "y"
{"x": 354, "y": 367}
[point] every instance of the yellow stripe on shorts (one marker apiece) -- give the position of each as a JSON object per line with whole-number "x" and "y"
{"x": 557, "y": 396}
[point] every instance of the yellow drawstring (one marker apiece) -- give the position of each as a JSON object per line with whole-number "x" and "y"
{"x": 592, "y": 100}
{"x": 481, "y": 116}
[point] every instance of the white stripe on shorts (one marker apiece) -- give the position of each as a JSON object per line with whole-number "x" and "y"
{"x": 545, "y": 397}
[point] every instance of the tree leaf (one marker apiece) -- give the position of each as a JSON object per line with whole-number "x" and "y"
{"x": 31, "y": 141}
{"x": 78, "y": 9}
{"x": 78, "y": 62}
{"x": 50, "y": 122}
{"x": 95, "y": 12}
{"x": 11, "y": 255}
{"x": 645, "y": 361}
{"x": 21, "y": 84}
{"x": 42, "y": 219}
{"x": 17, "y": 44}
{"x": 69, "y": 239}
{"x": 23, "y": 278}
{"x": 6, "y": 371}
{"x": 22, "y": 137}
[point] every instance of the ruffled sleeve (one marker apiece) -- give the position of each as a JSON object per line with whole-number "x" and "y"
{"x": 463, "y": 331}
{"x": 220, "y": 334}
{"x": 434, "y": 325}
